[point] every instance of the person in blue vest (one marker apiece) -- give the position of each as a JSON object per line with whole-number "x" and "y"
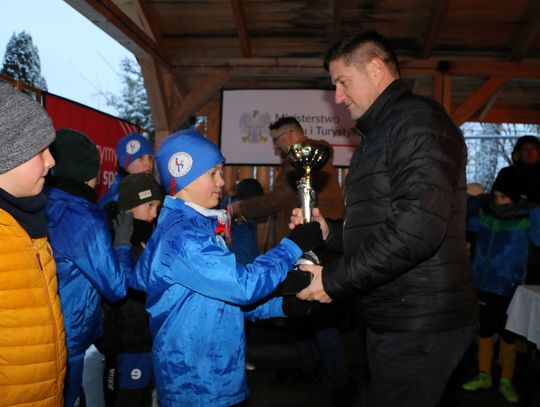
{"x": 135, "y": 154}
{"x": 196, "y": 288}
{"x": 88, "y": 263}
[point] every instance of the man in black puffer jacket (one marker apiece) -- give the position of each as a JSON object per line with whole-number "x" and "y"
{"x": 403, "y": 236}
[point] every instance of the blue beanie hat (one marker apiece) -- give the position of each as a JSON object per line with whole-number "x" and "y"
{"x": 183, "y": 157}
{"x": 131, "y": 147}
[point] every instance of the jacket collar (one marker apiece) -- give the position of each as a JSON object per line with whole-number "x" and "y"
{"x": 381, "y": 107}
{"x": 178, "y": 203}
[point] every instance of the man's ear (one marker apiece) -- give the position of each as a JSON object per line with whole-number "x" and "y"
{"x": 376, "y": 69}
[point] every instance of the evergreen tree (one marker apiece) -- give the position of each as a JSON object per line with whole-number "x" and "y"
{"x": 133, "y": 104}
{"x": 21, "y": 61}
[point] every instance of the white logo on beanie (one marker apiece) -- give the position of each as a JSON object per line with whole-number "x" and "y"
{"x": 145, "y": 194}
{"x": 180, "y": 164}
{"x": 136, "y": 374}
{"x": 133, "y": 146}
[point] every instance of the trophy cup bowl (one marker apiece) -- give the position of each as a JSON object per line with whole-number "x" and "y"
{"x": 307, "y": 157}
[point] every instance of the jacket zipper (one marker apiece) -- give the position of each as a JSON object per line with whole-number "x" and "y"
{"x": 51, "y": 313}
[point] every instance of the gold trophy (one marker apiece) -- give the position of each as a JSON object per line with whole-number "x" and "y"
{"x": 308, "y": 157}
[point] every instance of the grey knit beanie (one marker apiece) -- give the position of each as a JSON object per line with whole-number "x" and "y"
{"x": 25, "y": 128}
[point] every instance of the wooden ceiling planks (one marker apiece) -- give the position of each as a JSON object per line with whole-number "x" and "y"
{"x": 451, "y": 48}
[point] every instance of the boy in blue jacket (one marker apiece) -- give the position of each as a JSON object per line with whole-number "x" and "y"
{"x": 506, "y": 226}
{"x": 88, "y": 263}
{"x": 195, "y": 287}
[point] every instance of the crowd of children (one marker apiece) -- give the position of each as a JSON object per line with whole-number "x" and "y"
{"x": 62, "y": 254}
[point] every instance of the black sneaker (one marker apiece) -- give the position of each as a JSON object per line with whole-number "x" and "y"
{"x": 296, "y": 375}
{"x": 343, "y": 395}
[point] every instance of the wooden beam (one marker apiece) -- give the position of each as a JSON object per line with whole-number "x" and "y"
{"x": 478, "y": 99}
{"x": 494, "y": 68}
{"x": 148, "y": 21}
{"x": 106, "y": 15}
{"x": 489, "y": 105}
{"x": 313, "y": 66}
{"x": 241, "y": 27}
{"x": 498, "y": 115}
{"x": 438, "y": 11}
{"x": 198, "y": 96}
{"x": 442, "y": 91}
{"x": 528, "y": 33}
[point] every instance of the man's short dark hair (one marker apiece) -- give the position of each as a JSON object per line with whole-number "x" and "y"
{"x": 282, "y": 121}
{"x": 362, "y": 47}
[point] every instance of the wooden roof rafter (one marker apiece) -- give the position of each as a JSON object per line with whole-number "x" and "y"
{"x": 478, "y": 99}
{"x": 109, "y": 17}
{"x": 437, "y": 15}
{"x": 524, "y": 40}
{"x": 199, "y": 94}
{"x": 286, "y": 40}
{"x": 241, "y": 27}
{"x": 528, "y": 33}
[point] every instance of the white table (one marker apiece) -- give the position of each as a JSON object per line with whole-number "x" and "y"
{"x": 524, "y": 313}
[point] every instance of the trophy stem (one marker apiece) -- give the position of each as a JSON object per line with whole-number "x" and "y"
{"x": 307, "y": 157}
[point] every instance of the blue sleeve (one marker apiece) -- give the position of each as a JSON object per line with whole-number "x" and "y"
{"x": 105, "y": 268}
{"x": 534, "y": 230}
{"x": 205, "y": 265}
{"x": 270, "y": 309}
{"x": 474, "y": 203}
{"x": 111, "y": 194}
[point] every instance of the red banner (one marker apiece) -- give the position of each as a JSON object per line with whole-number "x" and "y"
{"x": 105, "y": 130}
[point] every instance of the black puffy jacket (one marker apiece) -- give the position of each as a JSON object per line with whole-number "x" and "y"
{"x": 403, "y": 236}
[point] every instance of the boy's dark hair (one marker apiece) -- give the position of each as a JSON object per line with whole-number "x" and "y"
{"x": 248, "y": 188}
{"x": 362, "y": 47}
{"x": 282, "y": 121}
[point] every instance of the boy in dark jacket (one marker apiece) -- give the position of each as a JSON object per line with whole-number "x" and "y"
{"x": 128, "y": 342}
{"x": 506, "y": 226}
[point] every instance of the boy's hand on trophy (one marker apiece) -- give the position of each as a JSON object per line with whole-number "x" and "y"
{"x": 297, "y": 218}
{"x": 307, "y": 236}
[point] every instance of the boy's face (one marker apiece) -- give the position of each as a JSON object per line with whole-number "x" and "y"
{"x": 528, "y": 154}
{"x": 27, "y": 179}
{"x": 144, "y": 163}
{"x": 501, "y": 199}
{"x": 147, "y": 211}
{"x": 205, "y": 190}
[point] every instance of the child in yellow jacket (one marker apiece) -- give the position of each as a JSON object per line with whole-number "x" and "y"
{"x": 32, "y": 342}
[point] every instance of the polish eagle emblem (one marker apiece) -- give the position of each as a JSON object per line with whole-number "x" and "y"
{"x": 254, "y": 126}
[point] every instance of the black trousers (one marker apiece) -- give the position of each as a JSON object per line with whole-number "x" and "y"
{"x": 411, "y": 369}
{"x": 492, "y": 313}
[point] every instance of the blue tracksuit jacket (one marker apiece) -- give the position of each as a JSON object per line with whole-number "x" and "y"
{"x": 86, "y": 265}
{"x": 502, "y": 246}
{"x": 195, "y": 289}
